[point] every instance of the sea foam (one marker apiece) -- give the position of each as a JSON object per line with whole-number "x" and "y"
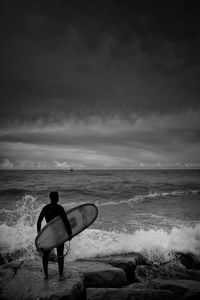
{"x": 156, "y": 245}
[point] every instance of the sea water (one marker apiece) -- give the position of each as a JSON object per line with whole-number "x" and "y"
{"x": 154, "y": 212}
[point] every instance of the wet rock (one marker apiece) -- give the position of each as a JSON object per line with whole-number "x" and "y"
{"x": 8, "y": 257}
{"x": 126, "y": 262}
{"x": 192, "y": 295}
{"x": 189, "y": 260}
{"x": 99, "y": 274}
{"x": 168, "y": 271}
{"x": 128, "y": 294}
{"x": 180, "y": 288}
{"x": 3, "y": 259}
{"x": 24, "y": 280}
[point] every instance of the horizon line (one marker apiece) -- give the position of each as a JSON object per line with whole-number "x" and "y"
{"x": 110, "y": 169}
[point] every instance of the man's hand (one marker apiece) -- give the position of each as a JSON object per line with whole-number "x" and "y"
{"x": 39, "y": 249}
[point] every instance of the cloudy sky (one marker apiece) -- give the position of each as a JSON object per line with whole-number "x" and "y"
{"x": 100, "y": 84}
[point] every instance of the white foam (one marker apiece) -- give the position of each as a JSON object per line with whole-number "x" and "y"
{"x": 19, "y": 229}
{"x": 154, "y": 244}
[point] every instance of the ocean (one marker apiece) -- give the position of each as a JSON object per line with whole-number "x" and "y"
{"x": 154, "y": 212}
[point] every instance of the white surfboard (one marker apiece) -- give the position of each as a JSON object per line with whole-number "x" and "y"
{"x": 54, "y": 233}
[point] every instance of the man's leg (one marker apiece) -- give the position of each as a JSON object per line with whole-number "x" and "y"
{"x": 60, "y": 250}
{"x": 45, "y": 262}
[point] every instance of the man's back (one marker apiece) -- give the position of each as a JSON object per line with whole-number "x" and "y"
{"x": 51, "y": 211}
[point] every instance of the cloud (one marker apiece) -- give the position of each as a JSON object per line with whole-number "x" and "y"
{"x": 53, "y": 86}
{"x": 151, "y": 130}
{"x": 150, "y": 141}
{"x": 12, "y": 164}
{"x": 63, "y": 164}
{"x": 6, "y": 164}
{"x": 66, "y": 165}
{"x": 85, "y": 65}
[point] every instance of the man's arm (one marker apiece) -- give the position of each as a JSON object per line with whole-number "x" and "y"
{"x": 66, "y": 222}
{"x": 39, "y": 221}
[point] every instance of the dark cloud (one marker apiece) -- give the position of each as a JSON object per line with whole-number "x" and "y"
{"x": 113, "y": 134}
{"x": 89, "y": 58}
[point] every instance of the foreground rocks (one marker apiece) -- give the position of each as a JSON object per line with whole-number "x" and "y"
{"x": 123, "y": 277}
{"x": 99, "y": 274}
{"x": 24, "y": 280}
{"x": 127, "y": 262}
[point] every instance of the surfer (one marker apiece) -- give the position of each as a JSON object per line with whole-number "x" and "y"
{"x": 49, "y": 212}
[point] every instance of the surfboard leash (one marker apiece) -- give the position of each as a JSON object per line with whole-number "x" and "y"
{"x": 68, "y": 249}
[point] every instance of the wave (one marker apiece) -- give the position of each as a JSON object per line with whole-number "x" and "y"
{"x": 151, "y": 195}
{"x": 156, "y": 245}
{"x": 13, "y": 191}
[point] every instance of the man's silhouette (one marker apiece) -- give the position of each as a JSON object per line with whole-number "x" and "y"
{"x": 49, "y": 212}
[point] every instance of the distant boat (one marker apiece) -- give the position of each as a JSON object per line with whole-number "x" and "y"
{"x": 71, "y": 170}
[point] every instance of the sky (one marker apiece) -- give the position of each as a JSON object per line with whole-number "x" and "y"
{"x": 99, "y": 84}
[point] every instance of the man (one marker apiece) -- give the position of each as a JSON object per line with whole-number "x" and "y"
{"x": 49, "y": 212}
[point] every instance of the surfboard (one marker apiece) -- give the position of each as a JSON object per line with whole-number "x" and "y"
{"x": 54, "y": 233}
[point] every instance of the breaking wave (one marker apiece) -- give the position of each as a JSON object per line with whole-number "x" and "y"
{"x": 151, "y": 195}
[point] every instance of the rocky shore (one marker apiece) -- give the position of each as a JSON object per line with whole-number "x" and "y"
{"x": 117, "y": 277}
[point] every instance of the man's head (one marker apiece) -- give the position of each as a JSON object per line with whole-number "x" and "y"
{"x": 54, "y": 197}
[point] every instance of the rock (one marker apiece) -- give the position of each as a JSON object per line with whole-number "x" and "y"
{"x": 142, "y": 285}
{"x": 24, "y": 280}
{"x": 8, "y": 257}
{"x": 99, "y": 274}
{"x": 126, "y": 262}
{"x": 168, "y": 271}
{"x": 127, "y": 294}
{"x": 3, "y": 259}
{"x": 135, "y": 257}
{"x": 194, "y": 295}
{"x": 189, "y": 260}
{"x": 180, "y": 288}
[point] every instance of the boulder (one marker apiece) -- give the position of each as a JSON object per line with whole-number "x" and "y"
{"x": 192, "y": 295}
{"x": 126, "y": 262}
{"x": 180, "y": 288}
{"x": 8, "y": 257}
{"x": 189, "y": 260}
{"x": 127, "y": 294}
{"x": 24, "y": 280}
{"x": 142, "y": 285}
{"x": 167, "y": 271}
{"x": 3, "y": 259}
{"x": 99, "y": 274}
